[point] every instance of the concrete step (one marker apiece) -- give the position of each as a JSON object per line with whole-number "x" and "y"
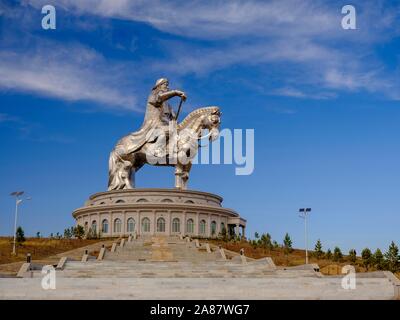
{"x": 195, "y": 288}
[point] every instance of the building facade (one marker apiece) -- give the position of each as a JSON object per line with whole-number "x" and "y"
{"x": 166, "y": 212}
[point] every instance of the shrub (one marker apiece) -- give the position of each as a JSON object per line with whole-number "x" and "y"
{"x": 328, "y": 254}
{"x": 392, "y": 257}
{"x": 20, "y": 235}
{"x": 352, "y": 255}
{"x": 265, "y": 241}
{"x": 79, "y": 231}
{"x": 67, "y": 234}
{"x": 366, "y": 256}
{"x": 379, "y": 261}
{"x": 287, "y": 244}
{"x": 318, "y": 252}
{"x": 337, "y": 255}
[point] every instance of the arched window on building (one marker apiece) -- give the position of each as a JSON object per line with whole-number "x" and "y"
{"x": 202, "y": 227}
{"x": 142, "y": 200}
{"x": 117, "y": 225}
{"x": 104, "y": 226}
{"x": 176, "y": 225}
{"x": 86, "y": 226}
{"x": 213, "y": 228}
{"x": 130, "y": 225}
{"x": 120, "y": 201}
{"x": 167, "y": 200}
{"x": 190, "y": 226}
{"x": 160, "y": 225}
{"x": 94, "y": 226}
{"x": 223, "y": 229}
{"x": 146, "y": 225}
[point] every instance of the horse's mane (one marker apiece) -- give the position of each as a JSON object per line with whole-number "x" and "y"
{"x": 197, "y": 113}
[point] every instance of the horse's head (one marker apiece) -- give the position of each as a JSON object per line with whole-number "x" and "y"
{"x": 212, "y": 121}
{"x": 201, "y": 119}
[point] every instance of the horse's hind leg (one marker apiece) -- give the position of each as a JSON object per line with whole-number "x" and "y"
{"x": 137, "y": 163}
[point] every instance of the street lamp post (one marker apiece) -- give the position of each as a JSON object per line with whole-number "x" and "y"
{"x": 17, "y": 195}
{"x": 303, "y": 214}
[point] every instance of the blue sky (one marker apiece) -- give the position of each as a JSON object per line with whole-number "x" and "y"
{"x": 324, "y": 103}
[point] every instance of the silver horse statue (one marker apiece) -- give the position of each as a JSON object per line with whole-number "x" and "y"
{"x": 161, "y": 141}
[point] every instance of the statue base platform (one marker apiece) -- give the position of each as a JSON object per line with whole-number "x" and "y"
{"x": 158, "y": 212}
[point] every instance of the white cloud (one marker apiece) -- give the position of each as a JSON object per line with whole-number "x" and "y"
{"x": 290, "y": 92}
{"x": 218, "y": 19}
{"x": 71, "y": 72}
{"x": 303, "y": 37}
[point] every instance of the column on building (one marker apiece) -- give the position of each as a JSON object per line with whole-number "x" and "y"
{"x": 111, "y": 224}
{"x": 138, "y": 225}
{"x": 237, "y": 229}
{"x": 153, "y": 224}
{"x": 124, "y": 223}
{"x": 208, "y": 226}
{"x": 168, "y": 223}
{"x": 98, "y": 224}
{"x": 197, "y": 226}
{"x": 183, "y": 224}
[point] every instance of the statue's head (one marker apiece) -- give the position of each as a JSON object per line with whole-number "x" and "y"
{"x": 161, "y": 83}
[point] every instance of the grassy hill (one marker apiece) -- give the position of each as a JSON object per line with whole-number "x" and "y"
{"x": 39, "y": 248}
{"x": 294, "y": 258}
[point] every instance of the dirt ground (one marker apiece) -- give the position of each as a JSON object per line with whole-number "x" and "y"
{"x": 38, "y": 248}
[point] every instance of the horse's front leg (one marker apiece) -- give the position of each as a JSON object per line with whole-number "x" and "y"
{"x": 185, "y": 175}
{"x": 178, "y": 176}
{"x": 182, "y": 175}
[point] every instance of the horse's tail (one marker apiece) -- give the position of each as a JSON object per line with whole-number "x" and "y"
{"x": 112, "y": 170}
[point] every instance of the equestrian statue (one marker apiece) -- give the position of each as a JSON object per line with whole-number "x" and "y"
{"x": 161, "y": 141}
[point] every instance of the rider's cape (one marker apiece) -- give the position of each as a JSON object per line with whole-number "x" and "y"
{"x": 147, "y": 132}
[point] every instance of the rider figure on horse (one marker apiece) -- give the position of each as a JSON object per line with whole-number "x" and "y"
{"x": 161, "y": 114}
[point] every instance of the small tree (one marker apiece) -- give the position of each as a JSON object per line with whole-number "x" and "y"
{"x": 366, "y": 256}
{"x": 223, "y": 234}
{"x": 379, "y": 261}
{"x": 51, "y": 235}
{"x": 337, "y": 254}
{"x": 275, "y": 244}
{"x": 79, "y": 231}
{"x": 353, "y": 256}
{"x": 38, "y": 234}
{"x": 266, "y": 241}
{"x": 328, "y": 254}
{"x": 20, "y": 235}
{"x": 287, "y": 243}
{"x": 256, "y": 235}
{"x": 392, "y": 257}
{"x": 318, "y": 253}
{"x": 67, "y": 233}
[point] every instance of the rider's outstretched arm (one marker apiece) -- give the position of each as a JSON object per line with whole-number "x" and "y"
{"x": 163, "y": 96}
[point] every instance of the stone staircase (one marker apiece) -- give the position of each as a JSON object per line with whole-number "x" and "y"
{"x": 173, "y": 268}
{"x": 162, "y": 249}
